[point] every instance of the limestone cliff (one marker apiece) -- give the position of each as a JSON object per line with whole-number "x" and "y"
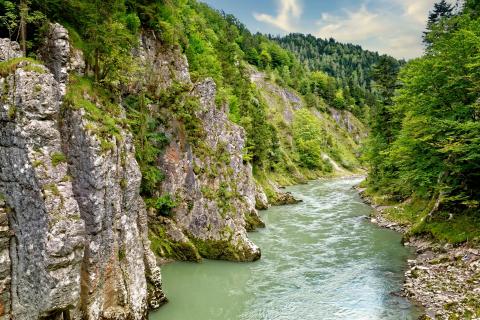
{"x": 214, "y": 189}
{"x": 74, "y": 230}
{"x": 76, "y": 243}
{"x": 79, "y": 233}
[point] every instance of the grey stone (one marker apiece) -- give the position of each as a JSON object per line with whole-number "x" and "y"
{"x": 48, "y": 235}
{"x": 9, "y": 50}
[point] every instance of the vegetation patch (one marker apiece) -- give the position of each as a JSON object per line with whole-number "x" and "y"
{"x": 58, "y": 158}
{"x": 28, "y": 64}
{"x": 163, "y": 205}
{"x": 163, "y": 246}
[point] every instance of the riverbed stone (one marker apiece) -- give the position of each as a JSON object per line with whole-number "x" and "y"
{"x": 443, "y": 278}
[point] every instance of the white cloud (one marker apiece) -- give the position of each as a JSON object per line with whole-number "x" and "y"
{"x": 288, "y": 12}
{"x": 417, "y": 10}
{"x": 393, "y": 27}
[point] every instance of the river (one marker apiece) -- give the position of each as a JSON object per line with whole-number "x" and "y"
{"x": 321, "y": 260}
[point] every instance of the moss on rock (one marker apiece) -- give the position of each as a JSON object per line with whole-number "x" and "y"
{"x": 165, "y": 246}
{"x": 224, "y": 250}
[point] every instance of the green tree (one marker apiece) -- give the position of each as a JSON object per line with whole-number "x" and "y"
{"x": 441, "y": 10}
{"x": 9, "y": 19}
{"x": 383, "y": 124}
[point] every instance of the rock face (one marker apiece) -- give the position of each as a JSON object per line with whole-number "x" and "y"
{"x": 214, "y": 189}
{"x": 74, "y": 233}
{"x": 59, "y": 56}
{"x": 161, "y": 66}
{"x": 9, "y": 50}
{"x": 5, "y": 261}
{"x": 75, "y": 244}
{"x": 117, "y": 254}
{"x": 349, "y": 122}
{"x": 47, "y": 247}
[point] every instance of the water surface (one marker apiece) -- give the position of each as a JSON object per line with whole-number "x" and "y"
{"x": 321, "y": 259}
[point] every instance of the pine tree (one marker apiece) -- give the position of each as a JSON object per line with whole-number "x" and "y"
{"x": 441, "y": 10}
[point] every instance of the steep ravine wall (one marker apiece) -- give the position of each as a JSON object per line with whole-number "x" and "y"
{"x": 213, "y": 187}
{"x": 74, "y": 231}
{"x": 78, "y": 235}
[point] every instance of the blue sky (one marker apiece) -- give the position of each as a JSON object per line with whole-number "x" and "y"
{"x": 388, "y": 26}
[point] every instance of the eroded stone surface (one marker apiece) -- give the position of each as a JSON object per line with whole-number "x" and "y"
{"x": 349, "y": 122}
{"x": 59, "y": 56}
{"x": 216, "y": 188}
{"x": 9, "y": 50}
{"x": 47, "y": 248}
{"x": 80, "y": 245}
{"x": 5, "y": 262}
{"x": 117, "y": 256}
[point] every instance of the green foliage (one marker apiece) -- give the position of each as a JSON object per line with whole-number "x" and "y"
{"x": 349, "y": 66}
{"x": 28, "y": 64}
{"x": 441, "y": 10}
{"x": 101, "y": 110}
{"x": 308, "y": 140}
{"x": 163, "y": 205}
{"x": 106, "y": 30}
{"x": 10, "y": 17}
{"x": 57, "y": 158}
{"x": 437, "y": 149}
{"x": 149, "y": 143}
{"x": 425, "y": 142}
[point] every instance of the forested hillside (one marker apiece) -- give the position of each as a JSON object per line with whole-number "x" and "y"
{"x": 424, "y": 148}
{"x": 349, "y": 64}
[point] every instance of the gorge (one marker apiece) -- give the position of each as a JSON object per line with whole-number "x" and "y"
{"x": 158, "y": 160}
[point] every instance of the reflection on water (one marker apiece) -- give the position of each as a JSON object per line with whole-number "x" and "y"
{"x": 320, "y": 260}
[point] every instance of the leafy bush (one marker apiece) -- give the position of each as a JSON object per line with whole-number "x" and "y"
{"x": 163, "y": 205}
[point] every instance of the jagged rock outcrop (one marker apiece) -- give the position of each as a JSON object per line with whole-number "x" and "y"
{"x": 47, "y": 247}
{"x": 214, "y": 189}
{"x": 273, "y": 93}
{"x": 74, "y": 233}
{"x": 117, "y": 257}
{"x": 261, "y": 199}
{"x": 216, "y": 182}
{"x": 60, "y": 56}
{"x": 77, "y": 233}
{"x": 161, "y": 66}
{"x": 350, "y": 123}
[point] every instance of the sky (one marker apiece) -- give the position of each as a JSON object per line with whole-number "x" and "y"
{"x": 393, "y": 27}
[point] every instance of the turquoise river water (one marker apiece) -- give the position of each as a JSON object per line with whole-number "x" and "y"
{"x": 321, "y": 260}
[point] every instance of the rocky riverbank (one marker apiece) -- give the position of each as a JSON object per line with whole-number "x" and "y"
{"x": 443, "y": 279}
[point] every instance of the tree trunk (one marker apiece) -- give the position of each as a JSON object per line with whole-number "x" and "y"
{"x": 97, "y": 66}
{"x": 23, "y": 26}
